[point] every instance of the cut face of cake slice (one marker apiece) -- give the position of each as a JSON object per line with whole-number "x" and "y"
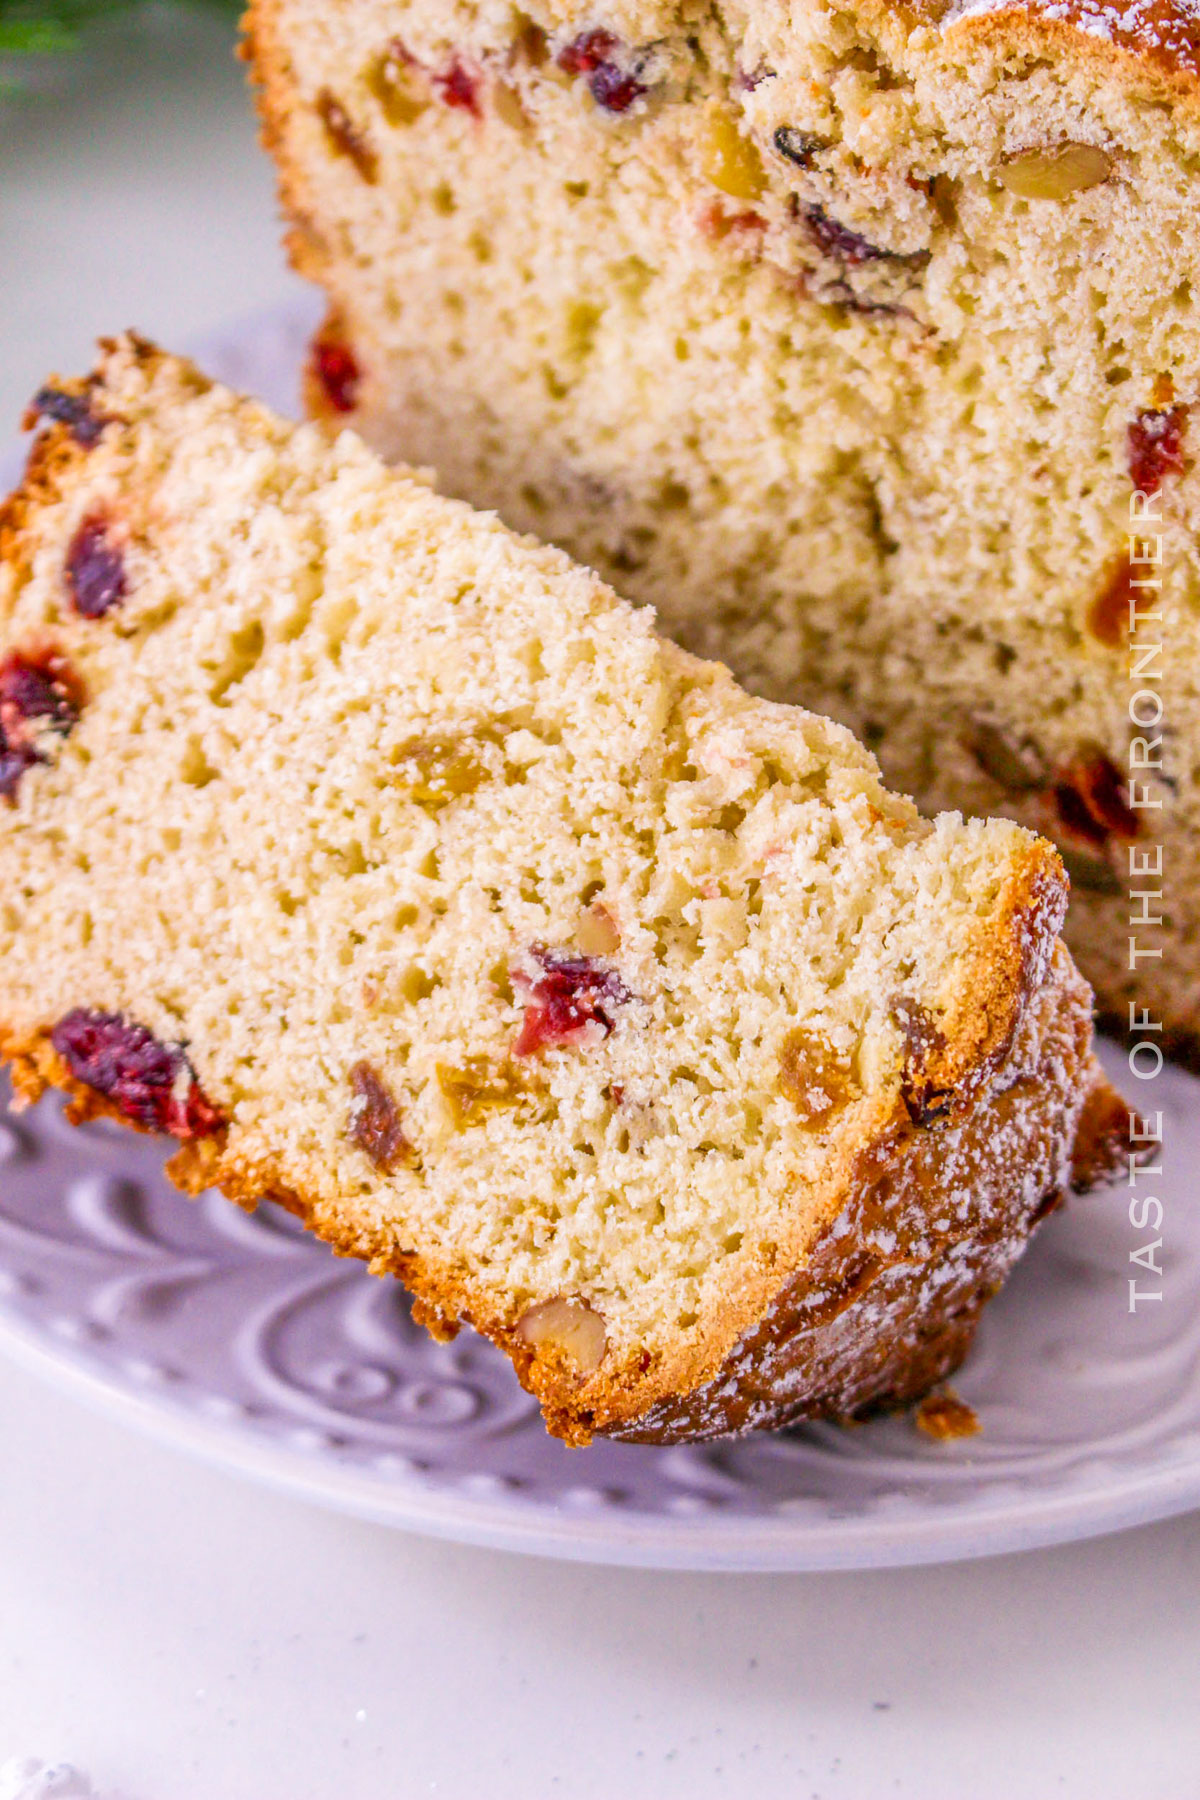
{"x": 402, "y": 874}
{"x": 844, "y": 336}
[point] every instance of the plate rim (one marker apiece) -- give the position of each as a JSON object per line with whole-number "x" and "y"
{"x": 634, "y": 1539}
{"x": 1000, "y": 1521}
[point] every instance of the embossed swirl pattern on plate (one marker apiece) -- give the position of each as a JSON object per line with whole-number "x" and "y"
{"x": 240, "y": 1336}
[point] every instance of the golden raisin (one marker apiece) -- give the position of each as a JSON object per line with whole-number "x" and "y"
{"x": 437, "y": 771}
{"x": 811, "y": 1077}
{"x": 1055, "y": 173}
{"x": 479, "y": 1087}
{"x": 730, "y": 160}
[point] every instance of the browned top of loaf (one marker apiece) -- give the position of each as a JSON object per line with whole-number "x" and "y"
{"x": 1137, "y": 39}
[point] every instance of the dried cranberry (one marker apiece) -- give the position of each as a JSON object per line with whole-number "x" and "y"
{"x": 570, "y": 1003}
{"x": 587, "y": 51}
{"x": 37, "y": 693}
{"x": 458, "y": 87}
{"x": 152, "y": 1084}
{"x": 611, "y": 86}
{"x": 338, "y": 373}
{"x": 1155, "y": 447}
{"x": 95, "y": 570}
{"x": 344, "y": 136}
{"x": 1093, "y": 802}
{"x": 375, "y": 1121}
{"x": 73, "y": 410}
{"x": 715, "y": 222}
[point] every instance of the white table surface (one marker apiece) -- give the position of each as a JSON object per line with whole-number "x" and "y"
{"x": 181, "y": 1634}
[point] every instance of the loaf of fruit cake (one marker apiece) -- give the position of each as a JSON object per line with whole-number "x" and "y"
{"x": 843, "y": 335}
{"x": 400, "y": 872}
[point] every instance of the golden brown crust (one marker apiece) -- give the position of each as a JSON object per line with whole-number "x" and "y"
{"x": 925, "y": 1297}
{"x": 888, "y": 1302}
{"x": 1152, "y": 48}
{"x": 1102, "y": 1141}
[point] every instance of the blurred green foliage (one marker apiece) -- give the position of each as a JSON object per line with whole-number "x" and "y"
{"x": 46, "y": 27}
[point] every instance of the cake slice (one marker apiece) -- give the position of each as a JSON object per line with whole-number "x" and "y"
{"x": 400, "y": 872}
{"x": 848, "y": 337}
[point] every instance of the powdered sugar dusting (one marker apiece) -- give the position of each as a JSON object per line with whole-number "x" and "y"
{"x": 1165, "y": 31}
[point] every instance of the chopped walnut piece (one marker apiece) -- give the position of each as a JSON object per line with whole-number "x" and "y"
{"x": 811, "y": 1077}
{"x": 596, "y": 933}
{"x": 1055, "y": 173}
{"x": 944, "y": 1416}
{"x": 375, "y": 1121}
{"x": 571, "y": 1327}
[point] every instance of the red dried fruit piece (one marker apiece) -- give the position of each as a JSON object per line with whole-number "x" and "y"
{"x": 38, "y": 693}
{"x": 72, "y": 410}
{"x": 344, "y": 136}
{"x": 336, "y": 369}
{"x": 611, "y": 86}
{"x": 570, "y": 1004}
{"x": 375, "y": 1121}
{"x": 1108, "y": 615}
{"x": 1155, "y": 447}
{"x": 151, "y": 1084}
{"x": 95, "y": 570}
{"x": 457, "y": 86}
{"x": 923, "y": 1042}
{"x": 715, "y": 222}
{"x": 1092, "y": 801}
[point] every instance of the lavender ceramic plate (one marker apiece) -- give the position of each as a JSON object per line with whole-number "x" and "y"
{"x": 240, "y": 1339}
